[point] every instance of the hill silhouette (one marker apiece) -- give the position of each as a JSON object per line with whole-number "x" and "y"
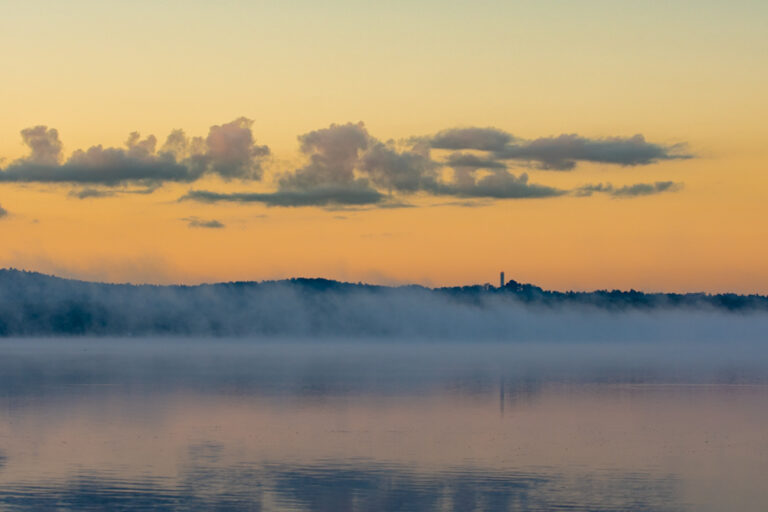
{"x": 34, "y": 304}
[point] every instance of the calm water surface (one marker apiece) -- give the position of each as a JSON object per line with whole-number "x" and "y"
{"x": 378, "y": 426}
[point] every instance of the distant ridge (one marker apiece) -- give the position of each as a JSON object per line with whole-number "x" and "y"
{"x": 32, "y": 303}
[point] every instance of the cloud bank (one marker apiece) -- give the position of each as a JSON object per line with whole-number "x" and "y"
{"x": 195, "y": 222}
{"x": 348, "y": 166}
{"x": 560, "y": 153}
{"x": 345, "y": 166}
{"x": 228, "y": 151}
{"x": 638, "y": 189}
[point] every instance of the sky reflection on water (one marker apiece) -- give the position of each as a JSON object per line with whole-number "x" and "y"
{"x": 341, "y": 426}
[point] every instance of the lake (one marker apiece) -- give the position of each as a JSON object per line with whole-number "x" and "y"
{"x": 382, "y": 425}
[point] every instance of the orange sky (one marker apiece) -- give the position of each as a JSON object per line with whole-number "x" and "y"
{"x": 688, "y": 73}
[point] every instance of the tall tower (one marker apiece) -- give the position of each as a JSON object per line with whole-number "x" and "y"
{"x": 501, "y": 280}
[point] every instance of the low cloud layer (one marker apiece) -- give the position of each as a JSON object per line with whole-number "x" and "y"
{"x": 637, "y": 189}
{"x": 195, "y": 222}
{"x": 3, "y": 212}
{"x": 560, "y": 153}
{"x": 348, "y": 166}
{"x": 321, "y": 195}
{"x": 228, "y": 151}
{"x": 344, "y": 165}
{"x": 91, "y": 193}
{"x": 481, "y": 139}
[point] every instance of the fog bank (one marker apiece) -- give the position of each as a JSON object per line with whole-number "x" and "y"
{"x": 37, "y": 305}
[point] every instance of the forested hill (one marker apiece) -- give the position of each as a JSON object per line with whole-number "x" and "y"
{"x": 36, "y": 304}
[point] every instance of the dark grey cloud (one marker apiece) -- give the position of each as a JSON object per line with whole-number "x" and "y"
{"x": 355, "y": 194}
{"x": 350, "y": 167}
{"x": 470, "y": 203}
{"x": 560, "y": 153}
{"x": 637, "y": 189}
{"x": 229, "y": 151}
{"x": 3, "y": 212}
{"x": 101, "y": 166}
{"x": 483, "y": 139}
{"x": 195, "y": 222}
{"x": 471, "y": 161}
{"x": 347, "y": 167}
{"x": 90, "y": 193}
{"x": 563, "y": 152}
{"x": 644, "y": 189}
{"x": 500, "y": 184}
{"x": 401, "y": 171}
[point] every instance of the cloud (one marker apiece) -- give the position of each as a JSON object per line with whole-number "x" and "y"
{"x": 232, "y": 152}
{"x": 472, "y": 203}
{"x": 357, "y": 193}
{"x": 333, "y": 155}
{"x": 195, "y": 222}
{"x": 89, "y": 193}
{"x": 229, "y": 151}
{"x": 560, "y": 153}
{"x": 637, "y": 189}
{"x": 644, "y": 189}
{"x": 102, "y": 166}
{"x": 329, "y": 176}
{"x": 498, "y": 185}
{"x": 3, "y": 212}
{"x": 470, "y": 161}
{"x": 406, "y": 171}
{"x": 349, "y": 167}
{"x": 483, "y": 139}
{"x": 345, "y": 166}
{"x": 43, "y": 143}
{"x": 563, "y": 152}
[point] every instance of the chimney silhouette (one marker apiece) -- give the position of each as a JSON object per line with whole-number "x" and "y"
{"x": 501, "y": 280}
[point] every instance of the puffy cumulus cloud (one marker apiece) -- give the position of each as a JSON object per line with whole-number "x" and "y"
{"x": 336, "y": 146}
{"x": 401, "y": 171}
{"x": 43, "y": 143}
{"x": 329, "y": 177}
{"x": 232, "y": 151}
{"x": 345, "y": 166}
{"x": 349, "y": 167}
{"x": 482, "y": 139}
{"x": 637, "y": 189}
{"x": 333, "y": 155}
{"x": 228, "y": 151}
{"x": 195, "y": 222}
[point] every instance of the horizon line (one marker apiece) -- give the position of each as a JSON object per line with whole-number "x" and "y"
{"x": 486, "y": 285}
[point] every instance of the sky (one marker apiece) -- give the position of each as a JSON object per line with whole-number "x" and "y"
{"x": 575, "y": 145}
